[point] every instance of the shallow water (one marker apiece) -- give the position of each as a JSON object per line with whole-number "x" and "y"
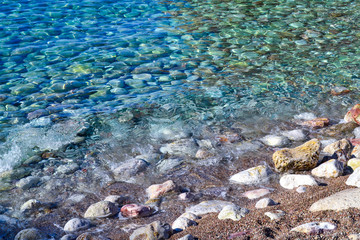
{"x": 138, "y": 74}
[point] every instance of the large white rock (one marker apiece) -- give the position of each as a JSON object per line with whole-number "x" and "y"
{"x": 314, "y": 227}
{"x": 354, "y": 178}
{"x": 275, "y": 141}
{"x": 345, "y": 199}
{"x": 330, "y": 169}
{"x": 291, "y": 181}
{"x": 253, "y": 175}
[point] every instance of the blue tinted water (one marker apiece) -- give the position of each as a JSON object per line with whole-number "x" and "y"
{"x": 155, "y": 62}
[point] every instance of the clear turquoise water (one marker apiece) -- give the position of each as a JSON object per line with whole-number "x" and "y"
{"x": 192, "y": 63}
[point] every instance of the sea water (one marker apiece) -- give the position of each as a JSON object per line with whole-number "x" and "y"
{"x": 137, "y": 74}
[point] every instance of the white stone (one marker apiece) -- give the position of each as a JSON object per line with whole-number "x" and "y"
{"x": 314, "y": 227}
{"x": 28, "y": 182}
{"x": 182, "y": 223}
{"x": 76, "y": 224}
{"x": 275, "y": 215}
{"x": 253, "y": 175}
{"x": 232, "y": 212}
{"x": 180, "y": 148}
{"x": 330, "y": 169}
{"x": 275, "y": 141}
{"x": 343, "y": 200}
{"x": 291, "y": 181}
{"x": 354, "y": 178}
{"x": 257, "y": 193}
{"x": 205, "y": 207}
{"x": 265, "y": 202}
{"x": 305, "y": 116}
{"x": 295, "y": 135}
{"x": 357, "y": 132}
{"x": 30, "y": 205}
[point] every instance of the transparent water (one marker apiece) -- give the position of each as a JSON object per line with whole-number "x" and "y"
{"x": 137, "y": 71}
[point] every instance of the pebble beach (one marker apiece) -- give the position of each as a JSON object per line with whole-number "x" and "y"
{"x": 145, "y": 119}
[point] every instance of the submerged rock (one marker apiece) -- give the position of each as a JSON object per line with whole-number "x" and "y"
{"x": 295, "y": 135}
{"x": 343, "y": 200}
{"x": 314, "y": 227}
{"x": 157, "y": 190}
{"x": 130, "y": 169}
{"x": 206, "y": 207}
{"x": 303, "y": 157}
{"x": 29, "y": 234}
{"x": 30, "y": 205}
{"x": 180, "y": 147}
{"x": 317, "y": 123}
{"x": 340, "y": 130}
{"x": 291, "y": 181}
{"x": 101, "y": 209}
{"x": 232, "y": 212}
{"x": 330, "y": 169}
{"x": 154, "y": 231}
{"x": 253, "y": 175}
{"x": 28, "y": 182}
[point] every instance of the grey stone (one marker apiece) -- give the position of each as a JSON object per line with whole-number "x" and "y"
{"x": 101, "y": 209}
{"x": 9, "y": 227}
{"x": 291, "y": 181}
{"x": 30, "y": 205}
{"x": 68, "y": 237}
{"x": 205, "y": 207}
{"x": 130, "y": 169}
{"x": 345, "y": 199}
{"x": 28, "y": 182}
{"x": 68, "y": 169}
{"x": 29, "y": 234}
{"x": 154, "y": 231}
{"x": 180, "y": 148}
{"x": 76, "y": 224}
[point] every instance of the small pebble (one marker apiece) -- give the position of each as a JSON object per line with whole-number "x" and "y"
{"x": 275, "y": 215}
{"x": 301, "y": 189}
{"x": 265, "y": 202}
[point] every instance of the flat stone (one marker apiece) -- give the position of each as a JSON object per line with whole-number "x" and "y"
{"x": 257, "y": 193}
{"x": 275, "y": 215}
{"x": 265, "y": 202}
{"x": 157, "y": 190}
{"x": 303, "y": 157}
{"x": 343, "y": 200}
{"x": 101, "y": 209}
{"x": 275, "y": 141}
{"x": 29, "y": 234}
{"x": 134, "y": 210}
{"x": 232, "y": 212}
{"x": 28, "y": 182}
{"x": 76, "y": 224}
{"x": 154, "y": 231}
{"x": 205, "y": 207}
{"x": 295, "y": 135}
{"x": 354, "y": 163}
{"x": 253, "y": 175}
{"x": 316, "y": 123}
{"x": 291, "y": 181}
{"x": 314, "y": 227}
{"x": 354, "y": 178}
{"x": 330, "y": 169}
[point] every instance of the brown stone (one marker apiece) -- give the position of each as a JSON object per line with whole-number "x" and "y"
{"x": 341, "y": 130}
{"x": 317, "y": 123}
{"x": 353, "y": 115}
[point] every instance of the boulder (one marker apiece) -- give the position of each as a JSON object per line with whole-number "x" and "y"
{"x": 303, "y": 157}
{"x": 253, "y": 175}
{"x": 343, "y": 200}
{"x": 353, "y": 115}
{"x": 291, "y": 181}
